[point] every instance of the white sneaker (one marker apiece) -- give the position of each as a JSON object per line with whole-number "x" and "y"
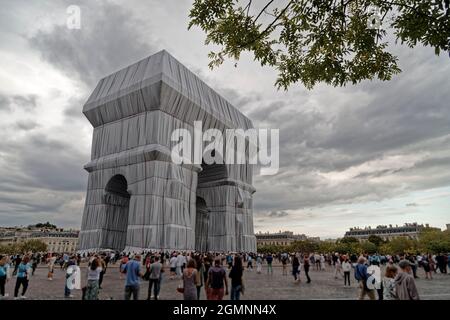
{"x": 23, "y": 297}
{"x": 6, "y": 295}
{"x": 50, "y": 279}
{"x": 16, "y": 298}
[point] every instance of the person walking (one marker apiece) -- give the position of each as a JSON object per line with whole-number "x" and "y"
{"x": 4, "y": 269}
{"x": 93, "y": 276}
{"x": 200, "y": 274}
{"x": 427, "y": 266}
{"x": 189, "y": 279}
{"x": 173, "y": 266}
{"x": 69, "y": 271}
{"x": 154, "y": 278}
{"x": 122, "y": 264}
{"x": 306, "y": 265}
{"x": 34, "y": 263}
{"x": 346, "y": 268}
{"x": 236, "y": 273}
{"x": 181, "y": 261}
{"x": 362, "y": 276}
{"x": 258, "y": 264}
{"x": 405, "y": 285}
{"x": 103, "y": 265}
{"x": 23, "y": 273}
{"x": 216, "y": 281}
{"x": 133, "y": 274}
{"x": 284, "y": 261}
{"x": 51, "y": 265}
{"x": 374, "y": 273}
{"x": 337, "y": 266}
{"x": 295, "y": 268}
{"x": 389, "y": 283}
{"x": 269, "y": 260}
{"x": 17, "y": 260}
{"x": 317, "y": 261}
{"x": 249, "y": 262}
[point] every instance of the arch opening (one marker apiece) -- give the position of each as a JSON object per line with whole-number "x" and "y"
{"x": 117, "y": 202}
{"x": 201, "y": 225}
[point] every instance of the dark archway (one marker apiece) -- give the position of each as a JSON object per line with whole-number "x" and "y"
{"x": 201, "y": 225}
{"x": 117, "y": 201}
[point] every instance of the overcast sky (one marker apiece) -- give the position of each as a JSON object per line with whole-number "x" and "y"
{"x": 374, "y": 153}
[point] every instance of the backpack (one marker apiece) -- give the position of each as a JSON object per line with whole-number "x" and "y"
{"x": 358, "y": 274}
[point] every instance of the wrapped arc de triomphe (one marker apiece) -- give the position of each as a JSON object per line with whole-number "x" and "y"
{"x": 137, "y": 197}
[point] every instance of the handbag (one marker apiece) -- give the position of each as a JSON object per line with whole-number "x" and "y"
{"x": 180, "y": 288}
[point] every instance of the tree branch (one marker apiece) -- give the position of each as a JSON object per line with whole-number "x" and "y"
{"x": 265, "y": 7}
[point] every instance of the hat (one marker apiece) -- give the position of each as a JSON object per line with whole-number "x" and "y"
{"x": 404, "y": 263}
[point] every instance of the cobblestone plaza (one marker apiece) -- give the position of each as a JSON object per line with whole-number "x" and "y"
{"x": 258, "y": 286}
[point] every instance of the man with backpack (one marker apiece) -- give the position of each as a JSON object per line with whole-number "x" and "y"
{"x": 362, "y": 276}
{"x": 217, "y": 280}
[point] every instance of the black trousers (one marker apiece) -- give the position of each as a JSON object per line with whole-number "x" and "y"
{"x": 21, "y": 282}
{"x": 2, "y": 285}
{"x": 307, "y": 274}
{"x": 155, "y": 284}
{"x": 346, "y": 277}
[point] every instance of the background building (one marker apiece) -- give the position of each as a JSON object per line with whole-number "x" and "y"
{"x": 410, "y": 230}
{"x": 57, "y": 240}
{"x": 281, "y": 238}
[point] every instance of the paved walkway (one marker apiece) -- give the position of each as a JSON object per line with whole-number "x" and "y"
{"x": 258, "y": 286}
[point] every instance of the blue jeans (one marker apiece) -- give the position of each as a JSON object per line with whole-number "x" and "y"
{"x": 66, "y": 290}
{"x": 235, "y": 293}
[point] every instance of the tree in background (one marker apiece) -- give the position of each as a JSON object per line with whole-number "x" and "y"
{"x": 33, "y": 245}
{"x": 399, "y": 245}
{"x": 376, "y": 240}
{"x": 304, "y": 246}
{"x": 369, "y": 247}
{"x": 47, "y": 225}
{"x": 433, "y": 240}
{"x": 313, "y": 41}
{"x": 268, "y": 248}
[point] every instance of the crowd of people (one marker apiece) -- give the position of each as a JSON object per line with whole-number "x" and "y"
{"x": 221, "y": 274}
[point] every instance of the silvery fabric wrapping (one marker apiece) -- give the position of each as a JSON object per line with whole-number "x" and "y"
{"x": 137, "y": 198}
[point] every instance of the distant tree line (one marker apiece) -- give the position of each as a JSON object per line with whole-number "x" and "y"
{"x": 47, "y": 225}
{"x": 33, "y": 245}
{"x": 430, "y": 240}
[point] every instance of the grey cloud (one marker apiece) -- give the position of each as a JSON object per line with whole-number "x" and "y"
{"x": 26, "y": 125}
{"x": 278, "y": 214}
{"x": 41, "y": 177}
{"x": 25, "y": 101}
{"x": 4, "y": 103}
{"x": 9, "y": 102}
{"x": 74, "y": 108}
{"x": 108, "y": 40}
{"x": 412, "y": 204}
{"x": 40, "y": 162}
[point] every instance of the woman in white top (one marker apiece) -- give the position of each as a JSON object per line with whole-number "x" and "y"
{"x": 92, "y": 281}
{"x": 346, "y": 268}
